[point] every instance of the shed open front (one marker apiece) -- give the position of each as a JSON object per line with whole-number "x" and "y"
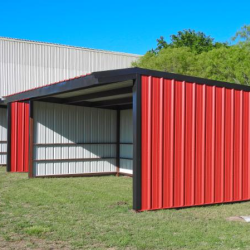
{"x": 79, "y": 127}
{"x": 185, "y": 140}
{"x": 76, "y": 140}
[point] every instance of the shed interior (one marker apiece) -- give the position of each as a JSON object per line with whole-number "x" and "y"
{"x": 84, "y": 132}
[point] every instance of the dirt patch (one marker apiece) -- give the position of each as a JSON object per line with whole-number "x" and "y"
{"x": 119, "y": 203}
{"x": 235, "y": 218}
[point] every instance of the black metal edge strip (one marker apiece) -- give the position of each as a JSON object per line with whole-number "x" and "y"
{"x": 31, "y": 139}
{"x": 137, "y": 143}
{"x": 118, "y": 115}
{"x": 9, "y": 138}
{"x": 3, "y": 107}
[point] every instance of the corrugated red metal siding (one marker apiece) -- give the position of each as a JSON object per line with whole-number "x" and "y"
{"x": 19, "y": 137}
{"x": 195, "y": 144}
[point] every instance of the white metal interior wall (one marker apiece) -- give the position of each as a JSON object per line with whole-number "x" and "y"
{"x": 3, "y": 136}
{"x": 25, "y": 64}
{"x": 57, "y": 123}
{"x": 126, "y": 136}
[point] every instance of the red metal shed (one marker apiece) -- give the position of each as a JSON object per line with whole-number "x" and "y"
{"x": 191, "y": 138}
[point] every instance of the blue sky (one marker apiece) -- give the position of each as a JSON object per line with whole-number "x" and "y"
{"x": 126, "y": 26}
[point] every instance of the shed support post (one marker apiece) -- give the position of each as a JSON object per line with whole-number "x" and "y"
{"x": 137, "y": 143}
{"x": 9, "y": 137}
{"x": 31, "y": 139}
{"x": 118, "y": 143}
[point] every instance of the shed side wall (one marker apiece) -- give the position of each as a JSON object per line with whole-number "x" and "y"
{"x": 195, "y": 144}
{"x": 61, "y": 137}
{"x": 19, "y": 137}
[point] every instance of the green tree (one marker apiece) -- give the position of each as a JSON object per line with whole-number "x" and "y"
{"x": 243, "y": 35}
{"x": 225, "y": 64}
{"x": 176, "y": 60}
{"x": 194, "y": 53}
{"x": 197, "y": 42}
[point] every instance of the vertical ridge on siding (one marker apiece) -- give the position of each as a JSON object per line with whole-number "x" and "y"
{"x": 157, "y": 125}
{"x": 219, "y": 142}
{"x": 179, "y": 143}
{"x": 210, "y": 144}
{"x": 168, "y": 141}
{"x": 229, "y": 144}
{"x": 200, "y": 144}
{"x": 190, "y": 143}
{"x": 238, "y": 145}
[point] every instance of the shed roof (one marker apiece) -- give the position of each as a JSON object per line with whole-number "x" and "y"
{"x": 114, "y": 87}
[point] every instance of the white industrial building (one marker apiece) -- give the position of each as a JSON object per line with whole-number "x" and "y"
{"x": 27, "y": 65}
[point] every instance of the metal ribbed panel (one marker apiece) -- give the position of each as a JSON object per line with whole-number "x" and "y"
{"x": 25, "y": 65}
{"x": 3, "y": 136}
{"x": 57, "y": 124}
{"x": 19, "y": 137}
{"x": 195, "y": 144}
{"x": 126, "y": 136}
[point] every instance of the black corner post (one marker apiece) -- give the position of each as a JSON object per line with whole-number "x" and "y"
{"x": 31, "y": 139}
{"x": 9, "y": 137}
{"x": 137, "y": 143}
{"x": 118, "y": 142}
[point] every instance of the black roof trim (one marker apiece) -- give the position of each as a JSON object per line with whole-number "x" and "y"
{"x": 112, "y": 76}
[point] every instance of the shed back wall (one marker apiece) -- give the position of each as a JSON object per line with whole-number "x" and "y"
{"x": 59, "y": 131}
{"x": 195, "y": 144}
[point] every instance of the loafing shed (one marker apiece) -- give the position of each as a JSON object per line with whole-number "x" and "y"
{"x": 185, "y": 140}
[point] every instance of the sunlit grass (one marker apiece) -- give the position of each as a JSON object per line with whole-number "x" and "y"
{"x": 96, "y": 213}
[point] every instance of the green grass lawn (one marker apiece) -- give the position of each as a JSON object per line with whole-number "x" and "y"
{"x": 96, "y": 213}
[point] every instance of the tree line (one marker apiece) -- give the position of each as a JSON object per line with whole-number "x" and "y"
{"x": 196, "y": 54}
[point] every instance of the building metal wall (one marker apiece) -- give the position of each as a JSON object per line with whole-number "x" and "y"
{"x": 19, "y": 137}
{"x": 195, "y": 144}
{"x": 25, "y": 64}
{"x": 126, "y": 141}
{"x": 3, "y": 136}
{"x": 61, "y": 137}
